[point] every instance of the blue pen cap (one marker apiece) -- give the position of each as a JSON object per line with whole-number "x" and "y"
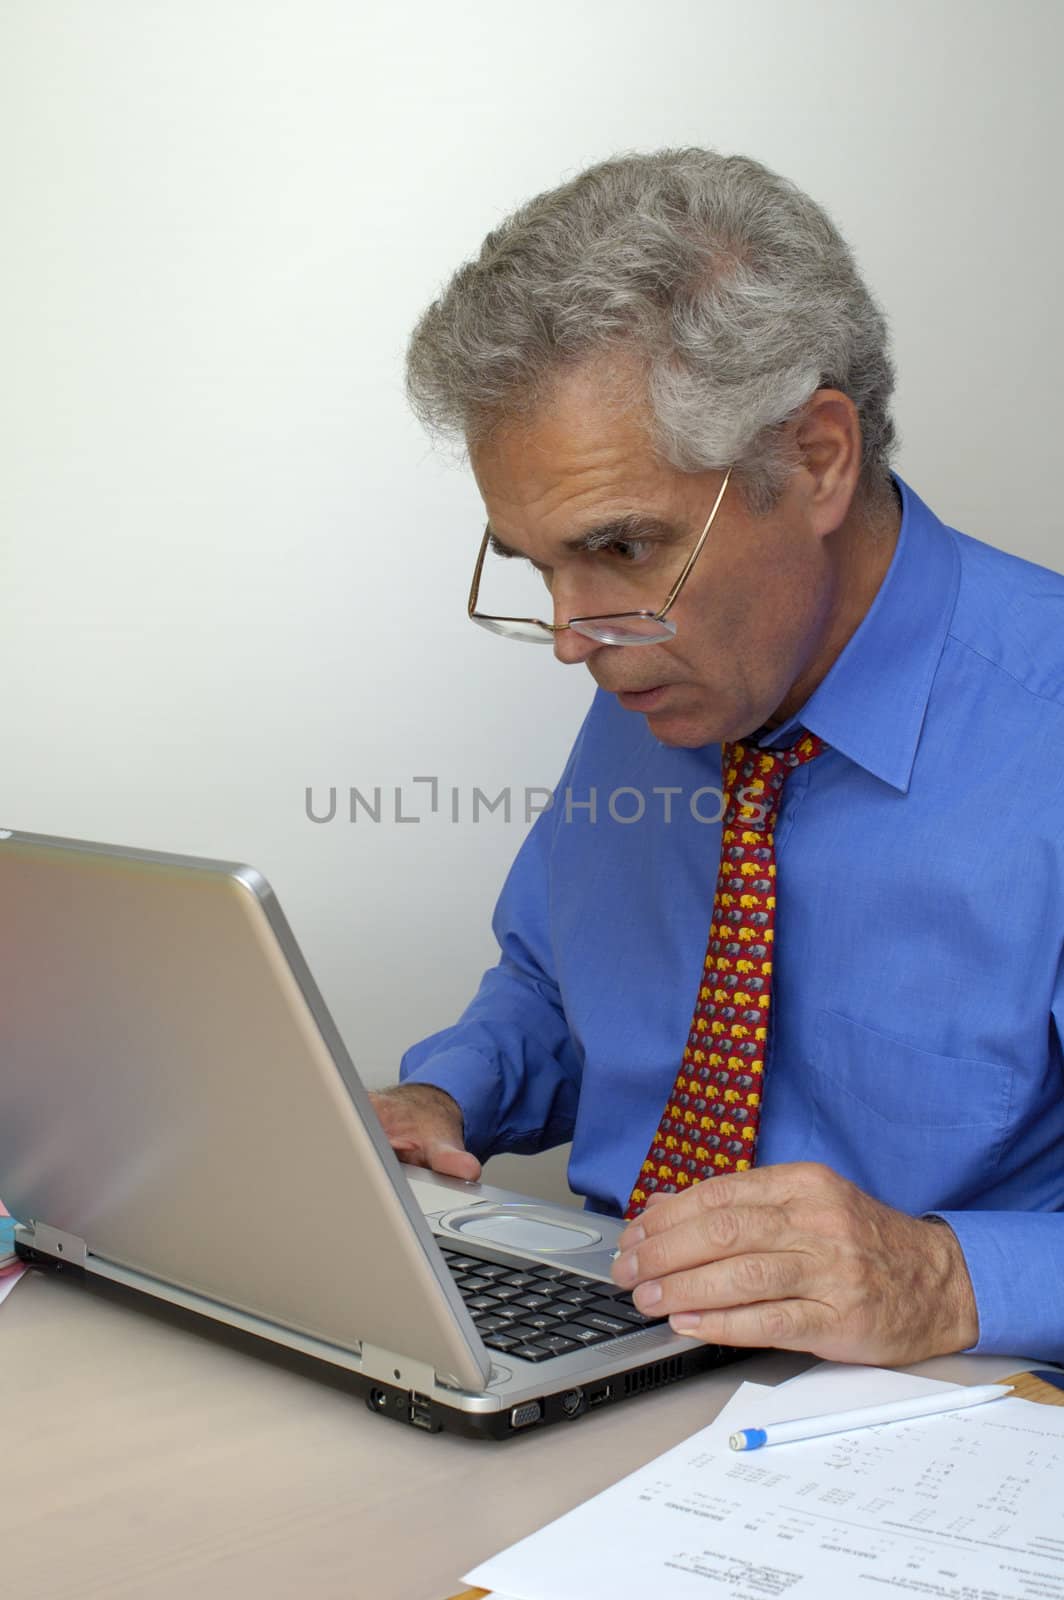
{"x": 748, "y": 1439}
{"x": 7, "y": 1242}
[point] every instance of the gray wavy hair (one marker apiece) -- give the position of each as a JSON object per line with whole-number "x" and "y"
{"x": 734, "y": 290}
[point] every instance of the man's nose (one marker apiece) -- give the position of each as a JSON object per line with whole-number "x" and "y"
{"x": 571, "y": 648}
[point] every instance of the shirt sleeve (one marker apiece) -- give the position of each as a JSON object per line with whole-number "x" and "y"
{"x": 510, "y": 1061}
{"x": 1015, "y": 1259}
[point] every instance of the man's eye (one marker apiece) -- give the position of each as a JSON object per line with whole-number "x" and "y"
{"x": 629, "y": 551}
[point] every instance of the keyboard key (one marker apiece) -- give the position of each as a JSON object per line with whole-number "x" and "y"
{"x": 491, "y": 1269}
{"x": 520, "y": 1280}
{"x": 504, "y": 1291}
{"x": 501, "y": 1341}
{"x": 531, "y": 1352}
{"x": 481, "y": 1302}
{"x": 598, "y": 1319}
{"x": 573, "y": 1330}
{"x": 534, "y": 1302}
{"x": 539, "y": 1319}
{"x": 627, "y": 1313}
{"x": 486, "y": 1323}
{"x": 522, "y": 1332}
{"x": 577, "y": 1297}
{"x": 557, "y": 1344}
{"x": 549, "y": 1273}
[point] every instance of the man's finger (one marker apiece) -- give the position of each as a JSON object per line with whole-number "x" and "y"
{"x": 707, "y": 1237}
{"x": 664, "y": 1211}
{"x": 771, "y": 1325}
{"x": 739, "y": 1281}
{"x": 773, "y": 1186}
{"x": 411, "y": 1151}
{"x": 452, "y": 1161}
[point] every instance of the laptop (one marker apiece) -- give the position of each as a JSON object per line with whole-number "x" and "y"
{"x": 180, "y": 1123}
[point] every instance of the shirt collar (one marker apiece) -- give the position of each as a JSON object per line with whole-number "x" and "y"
{"x": 871, "y": 705}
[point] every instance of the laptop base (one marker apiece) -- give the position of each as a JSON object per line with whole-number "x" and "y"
{"x": 387, "y": 1400}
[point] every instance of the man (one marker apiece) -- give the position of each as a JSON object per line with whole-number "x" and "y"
{"x": 674, "y": 388}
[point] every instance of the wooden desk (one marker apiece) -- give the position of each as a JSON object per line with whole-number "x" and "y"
{"x": 139, "y": 1461}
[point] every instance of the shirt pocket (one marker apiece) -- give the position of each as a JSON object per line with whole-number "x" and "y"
{"x": 919, "y": 1131}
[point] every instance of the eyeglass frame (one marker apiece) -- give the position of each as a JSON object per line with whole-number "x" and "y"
{"x": 551, "y": 628}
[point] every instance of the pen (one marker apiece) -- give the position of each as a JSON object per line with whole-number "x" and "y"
{"x": 928, "y": 1405}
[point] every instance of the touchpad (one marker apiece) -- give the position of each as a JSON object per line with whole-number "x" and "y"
{"x": 520, "y": 1230}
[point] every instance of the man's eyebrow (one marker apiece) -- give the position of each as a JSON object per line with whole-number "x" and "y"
{"x": 636, "y": 525}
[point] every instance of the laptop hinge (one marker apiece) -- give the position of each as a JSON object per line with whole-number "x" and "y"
{"x": 390, "y": 1368}
{"x": 52, "y": 1242}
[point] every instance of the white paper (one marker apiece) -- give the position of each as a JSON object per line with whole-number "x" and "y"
{"x": 832, "y": 1386}
{"x": 8, "y": 1281}
{"x": 961, "y": 1507}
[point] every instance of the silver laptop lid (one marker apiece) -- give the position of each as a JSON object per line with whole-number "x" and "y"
{"x": 174, "y": 1092}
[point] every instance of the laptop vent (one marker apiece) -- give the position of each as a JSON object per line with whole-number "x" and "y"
{"x": 653, "y": 1377}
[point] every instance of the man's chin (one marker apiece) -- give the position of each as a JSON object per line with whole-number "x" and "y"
{"x": 681, "y": 732}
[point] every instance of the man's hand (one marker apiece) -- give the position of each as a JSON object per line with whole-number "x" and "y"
{"x": 424, "y": 1128}
{"x": 796, "y": 1258}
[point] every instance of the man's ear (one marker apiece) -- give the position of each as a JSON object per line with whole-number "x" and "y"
{"x": 828, "y": 438}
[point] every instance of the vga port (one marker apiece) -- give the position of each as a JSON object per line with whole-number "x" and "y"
{"x": 524, "y": 1416}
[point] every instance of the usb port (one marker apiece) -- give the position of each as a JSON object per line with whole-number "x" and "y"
{"x": 421, "y": 1417}
{"x": 598, "y": 1397}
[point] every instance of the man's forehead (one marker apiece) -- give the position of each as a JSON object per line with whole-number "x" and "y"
{"x": 579, "y": 448}
{"x": 573, "y": 462}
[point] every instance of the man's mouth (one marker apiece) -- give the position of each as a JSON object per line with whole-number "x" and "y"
{"x": 642, "y": 699}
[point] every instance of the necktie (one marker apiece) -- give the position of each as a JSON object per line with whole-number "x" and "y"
{"x": 711, "y": 1117}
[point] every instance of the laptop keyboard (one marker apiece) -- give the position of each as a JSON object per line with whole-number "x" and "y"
{"x": 536, "y": 1312}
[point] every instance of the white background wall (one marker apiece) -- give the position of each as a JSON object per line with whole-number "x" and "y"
{"x": 230, "y": 565}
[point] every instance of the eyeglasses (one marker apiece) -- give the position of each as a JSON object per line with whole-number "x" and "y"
{"x": 622, "y": 627}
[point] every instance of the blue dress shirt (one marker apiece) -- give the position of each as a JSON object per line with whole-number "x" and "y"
{"x": 918, "y": 985}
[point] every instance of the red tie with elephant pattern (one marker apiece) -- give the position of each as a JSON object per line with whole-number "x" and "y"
{"x": 711, "y": 1118}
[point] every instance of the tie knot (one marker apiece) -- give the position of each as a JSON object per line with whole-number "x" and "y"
{"x": 753, "y": 779}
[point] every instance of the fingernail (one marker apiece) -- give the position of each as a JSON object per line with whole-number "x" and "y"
{"x": 633, "y": 1236}
{"x": 626, "y": 1268}
{"x": 648, "y": 1294}
{"x": 684, "y": 1321}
